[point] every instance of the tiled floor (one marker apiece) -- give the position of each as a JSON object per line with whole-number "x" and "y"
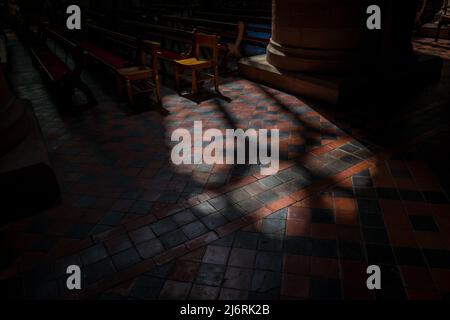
{"x": 143, "y": 228}
{"x": 429, "y": 46}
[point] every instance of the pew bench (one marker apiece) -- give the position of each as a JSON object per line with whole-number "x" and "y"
{"x": 226, "y": 17}
{"x": 48, "y": 62}
{"x": 233, "y": 34}
{"x": 103, "y": 45}
{"x": 126, "y": 56}
{"x": 64, "y": 79}
{"x": 175, "y": 44}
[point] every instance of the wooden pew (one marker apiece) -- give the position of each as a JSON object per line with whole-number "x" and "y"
{"x": 109, "y": 48}
{"x": 254, "y": 10}
{"x": 62, "y": 78}
{"x": 147, "y": 10}
{"x": 233, "y": 17}
{"x": 175, "y": 44}
{"x": 231, "y": 34}
{"x": 122, "y": 54}
{"x": 236, "y": 33}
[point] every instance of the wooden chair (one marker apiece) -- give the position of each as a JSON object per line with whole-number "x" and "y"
{"x": 444, "y": 19}
{"x": 195, "y": 64}
{"x": 144, "y": 77}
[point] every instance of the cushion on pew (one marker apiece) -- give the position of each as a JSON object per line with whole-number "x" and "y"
{"x": 105, "y": 55}
{"x": 169, "y": 55}
{"x": 55, "y": 66}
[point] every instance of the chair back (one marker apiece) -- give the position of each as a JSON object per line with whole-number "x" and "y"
{"x": 148, "y": 55}
{"x": 209, "y": 41}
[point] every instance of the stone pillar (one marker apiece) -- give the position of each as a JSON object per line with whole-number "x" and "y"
{"x": 326, "y": 36}
{"x": 14, "y": 118}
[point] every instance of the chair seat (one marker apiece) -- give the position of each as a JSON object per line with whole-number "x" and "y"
{"x": 137, "y": 71}
{"x": 193, "y": 63}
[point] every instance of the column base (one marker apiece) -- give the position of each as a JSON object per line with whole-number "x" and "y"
{"x": 308, "y": 60}
{"x": 340, "y": 90}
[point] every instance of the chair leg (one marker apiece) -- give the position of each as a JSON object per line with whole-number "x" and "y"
{"x": 194, "y": 82}
{"x": 119, "y": 85}
{"x": 216, "y": 80}
{"x": 438, "y": 31}
{"x": 158, "y": 90}
{"x": 177, "y": 80}
{"x": 129, "y": 93}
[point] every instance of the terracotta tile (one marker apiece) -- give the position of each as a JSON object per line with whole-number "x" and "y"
{"x": 185, "y": 271}
{"x": 297, "y": 264}
{"x": 298, "y": 213}
{"x": 319, "y": 202}
{"x": 347, "y": 217}
{"x": 402, "y": 236}
{"x": 346, "y": 204}
{"x": 354, "y": 272}
{"x": 417, "y": 278}
{"x": 324, "y": 231}
{"x": 442, "y": 279}
{"x": 429, "y": 240}
{"x": 324, "y": 267}
{"x": 348, "y": 233}
{"x": 422, "y": 294}
{"x": 295, "y": 286}
{"x": 298, "y": 228}
{"x": 280, "y": 204}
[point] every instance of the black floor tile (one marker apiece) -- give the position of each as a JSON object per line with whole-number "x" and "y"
{"x": 194, "y": 229}
{"x": 323, "y": 216}
{"x": 173, "y": 239}
{"x": 163, "y": 226}
{"x": 368, "y": 206}
{"x": 411, "y": 195}
{"x": 365, "y": 193}
{"x": 391, "y": 284}
{"x": 210, "y": 274}
{"x": 364, "y": 182}
{"x": 325, "y": 289}
{"x": 297, "y": 245}
{"x": 409, "y": 256}
{"x": 372, "y": 220}
{"x": 125, "y": 259}
{"x": 388, "y": 193}
{"x": 266, "y": 282}
{"x": 436, "y": 197}
{"x": 437, "y": 258}
{"x": 375, "y": 235}
{"x": 246, "y": 240}
{"x": 423, "y": 223}
{"x": 343, "y": 192}
{"x": 351, "y": 250}
{"x": 324, "y": 248}
{"x": 380, "y": 254}
{"x": 271, "y": 261}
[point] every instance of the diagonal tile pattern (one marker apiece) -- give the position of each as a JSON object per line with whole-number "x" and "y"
{"x": 141, "y": 227}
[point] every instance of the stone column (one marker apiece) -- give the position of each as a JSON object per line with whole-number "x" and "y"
{"x": 326, "y": 36}
{"x": 14, "y": 118}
